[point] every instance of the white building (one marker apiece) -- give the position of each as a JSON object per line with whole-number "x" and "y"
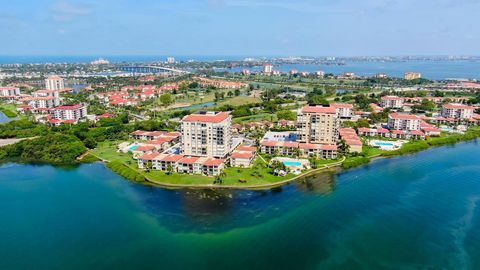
{"x": 268, "y": 68}
{"x": 69, "y": 113}
{"x": 403, "y": 121}
{"x": 9, "y": 92}
{"x": 207, "y": 134}
{"x": 54, "y": 83}
{"x": 457, "y": 111}
{"x": 170, "y": 60}
{"x": 391, "y": 102}
{"x": 44, "y": 99}
{"x": 344, "y": 110}
{"x": 316, "y": 124}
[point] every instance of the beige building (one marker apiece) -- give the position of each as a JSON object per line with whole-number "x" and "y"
{"x": 55, "y": 83}
{"x": 207, "y": 134}
{"x": 412, "y": 75}
{"x": 457, "y": 111}
{"x": 316, "y": 124}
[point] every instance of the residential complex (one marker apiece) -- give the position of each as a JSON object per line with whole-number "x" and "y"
{"x": 68, "y": 114}
{"x": 9, "y": 92}
{"x": 457, "y": 111}
{"x": 207, "y": 134}
{"x": 55, "y": 83}
{"x": 403, "y": 121}
{"x": 391, "y": 102}
{"x": 318, "y": 125}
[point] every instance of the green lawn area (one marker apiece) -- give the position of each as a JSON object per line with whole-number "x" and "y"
{"x": 240, "y": 100}
{"x": 256, "y": 117}
{"x": 108, "y": 151}
{"x": 258, "y": 174}
{"x": 9, "y": 110}
{"x": 371, "y": 151}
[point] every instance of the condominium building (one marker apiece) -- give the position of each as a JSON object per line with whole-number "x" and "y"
{"x": 268, "y": 68}
{"x": 70, "y": 113}
{"x": 412, "y": 75}
{"x": 391, "y": 102}
{"x": 457, "y": 111}
{"x": 54, "y": 83}
{"x": 44, "y": 99}
{"x": 344, "y": 110}
{"x": 10, "y": 93}
{"x": 207, "y": 134}
{"x": 403, "y": 121}
{"x": 316, "y": 124}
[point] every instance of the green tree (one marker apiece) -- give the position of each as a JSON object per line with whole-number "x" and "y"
{"x": 166, "y": 99}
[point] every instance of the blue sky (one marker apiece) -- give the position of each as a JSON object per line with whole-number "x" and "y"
{"x": 240, "y": 27}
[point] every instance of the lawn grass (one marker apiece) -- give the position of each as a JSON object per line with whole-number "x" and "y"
{"x": 240, "y": 100}
{"x": 108, "y": 151}
{"x": 9, "y": 110}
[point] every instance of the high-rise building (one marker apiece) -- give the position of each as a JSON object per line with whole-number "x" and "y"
{"x": 207, "y": 134}
{"x": 55, "y": 83}
{"x": 9, "y": 92}
{"x": 268, "y": 68}
{"x": 317, "y": 124}
{"x": 170, "y": 60}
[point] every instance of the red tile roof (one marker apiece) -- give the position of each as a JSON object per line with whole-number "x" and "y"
{"x": 188, "y": 160}
{"x": 214, "y": 162}
{"x": 319, "y": 109}
{"x": 404, "y": 116}
{"x": 207, "y": 118}
{"x": 150, "y": 156}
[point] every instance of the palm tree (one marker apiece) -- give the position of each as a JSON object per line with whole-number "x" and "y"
{"x": 169, "y": 169}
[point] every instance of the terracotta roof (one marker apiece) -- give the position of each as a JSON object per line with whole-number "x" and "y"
{"x": 456, "y": 106}
{"x": 242, "y": 154}
{"x": 319, "y": 109}
{"x": 150, "y": 156}
{"x": 69, "y": 107}
{"x": 342, "y": 105}
{"x": 391, "y": 98}
{"x": 214, "y": 162}
{"x": 404, "y": 116}
{"x": 328, "y": 147}
{"x": 144, "y": 148}
{"x": 172, "y": 158}
{"x": 188, "y": 160}
{"x": 207, "y": 118}
{"x": 247, "y": 148}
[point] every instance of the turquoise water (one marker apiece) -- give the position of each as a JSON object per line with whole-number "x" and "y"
{"x": 133, "y": 147}
{"x": 414, "y": 212}
{"x": 292, "y": 163}
{"x": 383, "y": 144}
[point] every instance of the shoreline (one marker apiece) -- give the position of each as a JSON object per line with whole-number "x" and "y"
{"x": 287, "y": 181}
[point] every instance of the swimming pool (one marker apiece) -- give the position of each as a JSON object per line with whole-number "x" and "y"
{"x": 388, "y": 144}
{"x": 292, "y": 163}
{"x": 133, "y": 147}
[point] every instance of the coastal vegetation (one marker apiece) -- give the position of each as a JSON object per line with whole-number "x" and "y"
{"x": 56, "y": 149}
{"x": 125, "y": 171}
{"x": 8, "y": 110}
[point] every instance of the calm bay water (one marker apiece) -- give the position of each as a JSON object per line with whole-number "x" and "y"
{"x": 412, "y": 212}
{"x": 435, "y": 70}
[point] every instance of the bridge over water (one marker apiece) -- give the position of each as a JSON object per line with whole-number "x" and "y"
{"x": 153, "y": 70}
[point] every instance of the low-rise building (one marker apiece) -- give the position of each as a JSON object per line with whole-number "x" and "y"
{"x": 412, "y": 75}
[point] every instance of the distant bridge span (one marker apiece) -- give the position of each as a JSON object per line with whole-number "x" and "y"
{"x": 152, "y": 69}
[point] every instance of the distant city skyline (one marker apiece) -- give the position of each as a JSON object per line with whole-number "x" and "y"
{"x": 240, "y": 27}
